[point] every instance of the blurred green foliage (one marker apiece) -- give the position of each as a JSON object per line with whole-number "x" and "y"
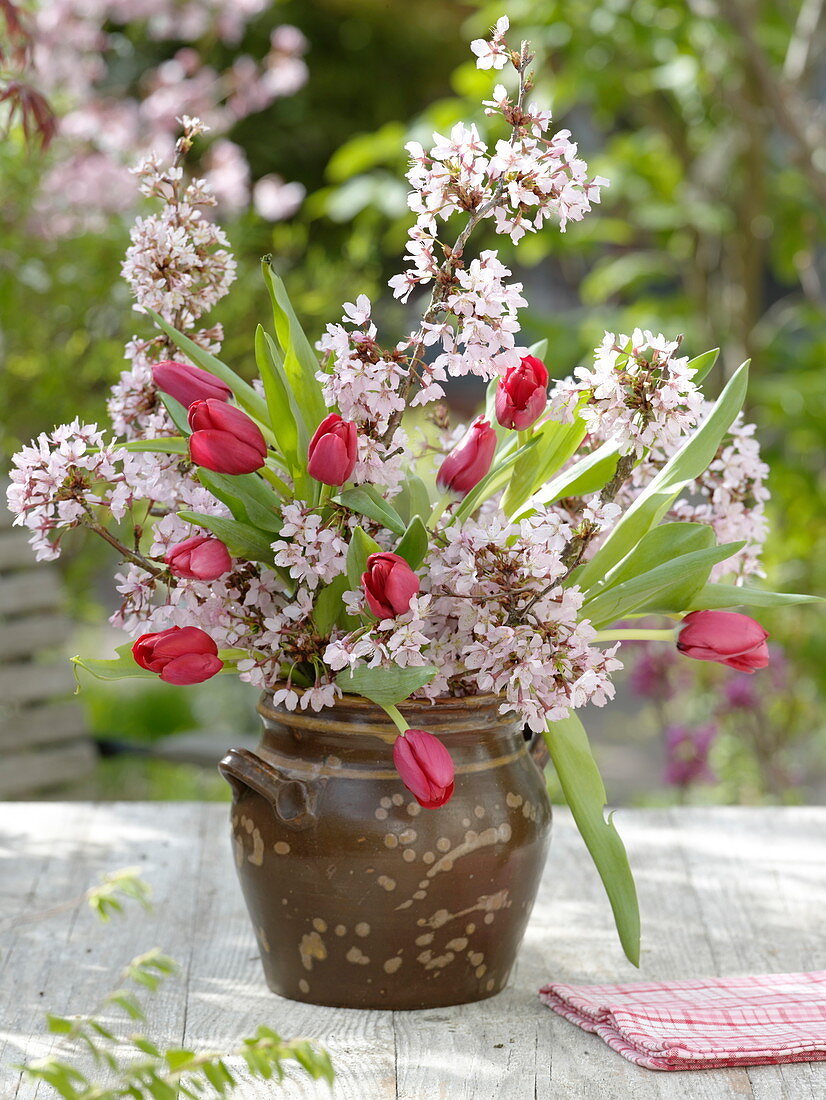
{"x": 711, "y": 226}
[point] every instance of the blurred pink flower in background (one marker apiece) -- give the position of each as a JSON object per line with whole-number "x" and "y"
{"x": 686, "y": 755}
{"x": 102, "y": 127}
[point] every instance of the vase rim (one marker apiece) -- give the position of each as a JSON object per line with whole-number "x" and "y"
{"x": 353, "y": 702}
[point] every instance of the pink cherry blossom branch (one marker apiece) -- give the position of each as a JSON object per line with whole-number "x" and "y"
{"x": 446, "y": 272}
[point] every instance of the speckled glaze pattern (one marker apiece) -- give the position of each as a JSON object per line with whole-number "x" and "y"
{"x": 361, "y": 898}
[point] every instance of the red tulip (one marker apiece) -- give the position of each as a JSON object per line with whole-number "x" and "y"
{"x": 188, "y": 384}
{"x": 724, "y": 636}
{"x": 389, "y": 585}
{"x": 425, "y": 767}
{"x": 180, "y": 655}
{"x": 225, "y": 439}
{"x": 200, "y": 558}
{"x": 522, "y": 394}
{"x": 333, "y": 450}
{"x": 469, "y": 460}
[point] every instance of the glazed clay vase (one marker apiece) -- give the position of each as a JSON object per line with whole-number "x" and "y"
{"x": 359, "y": 897}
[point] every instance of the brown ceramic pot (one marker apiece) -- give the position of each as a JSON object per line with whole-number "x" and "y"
{"x": 360, "y": 897}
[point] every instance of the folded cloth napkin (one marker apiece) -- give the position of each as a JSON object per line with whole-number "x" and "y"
{"x": 703, "y": 1023}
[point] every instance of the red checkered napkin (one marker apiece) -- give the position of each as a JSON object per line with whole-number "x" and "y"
{"x": 704, "y": 1023}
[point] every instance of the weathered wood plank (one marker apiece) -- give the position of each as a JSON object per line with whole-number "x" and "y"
{"x": 26, "y": 682}
{"x": 82, "y": 958}
{"x": 43, "y": 725}
{"x": 760, "y": 891}
{"x": 24, "y": 637}
{"x": 722, "y": 891}
{"x": 27, "y": 592}
{"x": 26, "y": 772}
{"x": 15, "y": 552}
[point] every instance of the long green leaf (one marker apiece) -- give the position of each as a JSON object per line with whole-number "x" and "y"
{"x": 300, "y": 362}
{"x": 702, "y": 364}
{"x": 661, "y": 492}
{"x": 660, "y": 544}
{"x": 367, "y": 501}
{"x": 555, "y": 444}
{"x": 413, "y": 499}
{"x": 166, "y": 445}
{"x": 281, "y": 417}
{"x": 250, "y": 499}
{"x": 413, "y": 544}
{"x": 712, "y": 596}
{"x": 241, "y": 539}
{"x": 328, "y": 604}
{"x": 668, "y": 588}
{"x": 386, "y": 687}
{"x": 586, "y": 476}
{"x": 247, "y": 397}
{"x": 495, "y": 480}
{"x": 584, "y": 792}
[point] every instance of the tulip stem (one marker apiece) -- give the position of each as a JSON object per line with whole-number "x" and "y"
{"x": 634, "y": 636}
{"x": 272, "y": 477}
{"x": 398, "y": 720}
{"x": 438, "y": 510}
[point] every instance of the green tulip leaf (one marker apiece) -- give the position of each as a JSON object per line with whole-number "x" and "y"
{"x": 413, "y": 544}
{"x": 387, "y": 687}
{"x": 584, "y": 792}
{"x": 683, "y": 467}
{"x": 241, "y": 539}
{"x": 360, "y": 548}
{"x": 300, "y": 363}
{"x": 713, "y": 596}
{"x": 368, "y": 501}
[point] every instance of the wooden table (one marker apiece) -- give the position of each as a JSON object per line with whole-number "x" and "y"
{"x": 723, "y": 891}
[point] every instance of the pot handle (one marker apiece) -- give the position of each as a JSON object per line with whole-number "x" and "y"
{"x": 292, "y": 801}
{"x": 539, "y": 751}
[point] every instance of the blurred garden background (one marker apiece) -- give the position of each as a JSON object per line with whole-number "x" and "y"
{"x": 706, "y": 116}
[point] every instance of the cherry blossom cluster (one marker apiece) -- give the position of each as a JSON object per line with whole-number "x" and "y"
{"x": 178, "y": 264}
{"x": 312, "y": 552}
{"x": 58, "y": 480}
{"x": 637, "y": 393}
{"x": 365, "y": 382}
{"x": 733, "y": 496}
{"x": 102, "y": 126}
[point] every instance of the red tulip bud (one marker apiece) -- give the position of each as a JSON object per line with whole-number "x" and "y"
{"x": 225, "y": 439}
{"x": 425, "y": 767}
{"x": 333, "y": 450}
{"x": 180, "y": 655}
{"x": 199, "y": 558}
{"x": 188, "y": 384}
{"x": 724, "y": 636}
{"x": 389, "y": 585}
{"x": 469, "y": 460}
{"x": 522, "y": 394}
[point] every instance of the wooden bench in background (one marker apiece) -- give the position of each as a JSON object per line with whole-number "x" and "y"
{"x": 43, "y": 738}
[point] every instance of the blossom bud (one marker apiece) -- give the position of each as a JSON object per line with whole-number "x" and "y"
{"x": 188, "y": 384}
{"x": 179, "y": 655}
{"x": 224, "y": 438}
{"x": 389, "y": 585}
{"x": 425, "y": 767}
{"x": 200, "y": 558}
{"x": 724, "y": 636}
{"x": 333, "y": 450}
{"x": 469, "y": 460}
{"x": 522, "y": 394}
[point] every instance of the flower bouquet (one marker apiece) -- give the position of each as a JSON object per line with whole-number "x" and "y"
{"x": 409, "y": 597}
